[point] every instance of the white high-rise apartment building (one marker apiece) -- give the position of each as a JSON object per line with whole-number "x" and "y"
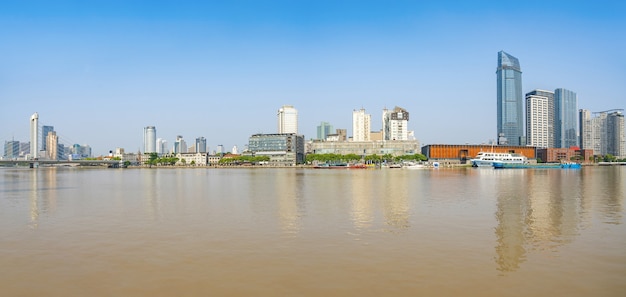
{"x": 287, "y": 119}
{"x": 616, "y": 140}
{"x": 604, "y": 132}
{"x": 538, "y": 119}
{"x": 361, "y": 125}
{"x": 149, "y": 139}
{"x": 395, "y": 124}
{"x": 586, "y": 130}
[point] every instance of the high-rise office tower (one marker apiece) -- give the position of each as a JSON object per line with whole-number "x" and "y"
{"x": 538, "y": 118}
{"x": 565, "y": 118}
{"x": 510, "y": 124}
{"x": 24, "y": 148}
{"x": 585, "y": 122}
{"x": 395, "y": 124}
{"x": 287, "y": 119}
{"x": 149, "y": 139}
{"x": 61, "y": 151}
{"x": 323, "y": 130}
{"x": 361, "y": 125}
{"x": 200, "y": 145}
{"x": 44, "y": 135}
{"x": 11, "y": 149}
{"x": 34, "y": 135}
{"x": 180, "y": 146}
{"x": 161, "y": 146}
{"x": 85, "y": 151}
{"x": 52, "y": 143}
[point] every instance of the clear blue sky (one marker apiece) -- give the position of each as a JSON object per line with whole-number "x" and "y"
{"x": 99, "y": 71}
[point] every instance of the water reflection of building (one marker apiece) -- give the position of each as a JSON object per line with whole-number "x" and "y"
{"x": 361, "y": 196}
{"x": 34, "y": 198}
{"x": 44, "y": 189}
{"x": 396, "y": 209}
{"x": 288, "y": 189}
{"x": 536, "y": 210}
{"x": 49, "y": 200}
{"x": 385, "y": 193}
{"x": 510, "y": 214}
{"x": 603, "y": 188}
{"x": 152, "y": 198}
{"x": 554, "y": 202}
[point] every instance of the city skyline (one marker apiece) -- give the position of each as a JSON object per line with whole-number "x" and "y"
{"x": 99, "y": 72}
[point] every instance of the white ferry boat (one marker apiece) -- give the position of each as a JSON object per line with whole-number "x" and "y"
{"x": 486, "y": 159}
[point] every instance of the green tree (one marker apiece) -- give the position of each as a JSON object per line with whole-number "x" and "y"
{"x": 387, "y": 157}
{"x": 609, "y": 158}
{"x": 373, "y": 159}
{"x": 352, "y": 157}
{"x": 153, "y": 159}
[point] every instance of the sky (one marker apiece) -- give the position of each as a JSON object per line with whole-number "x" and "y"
{"x": 100, "y": 71}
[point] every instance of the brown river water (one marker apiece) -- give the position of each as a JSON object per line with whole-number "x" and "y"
{"x": 308, "y": 232}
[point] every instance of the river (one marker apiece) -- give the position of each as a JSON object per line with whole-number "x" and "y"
{"x": 308, "y": 232}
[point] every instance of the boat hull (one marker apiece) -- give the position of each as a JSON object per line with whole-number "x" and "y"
{"x": 500, "y": 165}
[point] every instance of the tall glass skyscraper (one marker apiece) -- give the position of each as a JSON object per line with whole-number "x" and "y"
{"x": 510, "y": 101}
{"x": 44, "y": 134}
{"x": 565, "y": 118}
{"x": 200, "y": 145}
{"x": 149, "y": 139}
{"x": 323, "y": 130}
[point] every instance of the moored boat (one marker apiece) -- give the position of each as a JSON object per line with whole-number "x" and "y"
{"x": 340, "y": 166}
{"x": 413, "y": 165}
{"x": 487, "y": 159}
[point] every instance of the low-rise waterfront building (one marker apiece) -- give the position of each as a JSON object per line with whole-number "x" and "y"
{"x": 213, "y": 160}
{"x": 130, "y": 157}
{"x": 462, "y": 153}
{"x": 283, "y": 149}
{"x": 551, "y": 155}
{"x": 365, "y": 148}
{"x": 193, "y": 159}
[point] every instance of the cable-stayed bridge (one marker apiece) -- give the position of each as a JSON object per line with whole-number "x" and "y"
{"x": 47, "y": 146}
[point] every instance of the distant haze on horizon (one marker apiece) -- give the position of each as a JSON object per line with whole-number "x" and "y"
{"x": 101, "y": 71}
